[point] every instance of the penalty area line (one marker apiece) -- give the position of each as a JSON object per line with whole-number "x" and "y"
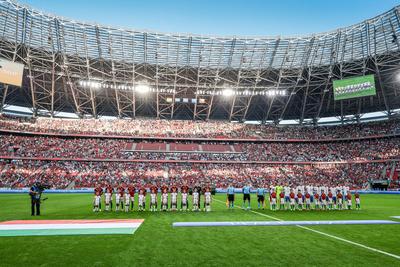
{"x": 325, "y": 234}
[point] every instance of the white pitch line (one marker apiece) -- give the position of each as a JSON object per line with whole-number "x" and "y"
{"x": 325, "y": 234}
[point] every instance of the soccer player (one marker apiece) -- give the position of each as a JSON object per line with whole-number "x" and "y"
{"x": 316, "y": 200}
{"x": 323, "y": 200}
{"x": 261, "y": 197}
{"x": 308, "y": 199}
{"x": 246, "y": 196}
{"x": 292, "y": 200}
{"x": 153, "y": 197}
{"x": 164, "y": 198}
{"x": 98, "y": 191}
{"x": 127, "y": 199}
{"x": 119, "y": 197}
{"x": 330, "y": 200}
{"x": 108, "y": 197}
{"x": 196, "y": 199}
{"x": 348, "y": 198}
{"x": 207, "y": 199}
{"x": 131, "y": 191}
{"x": 272, "y": 199}
{"x": 287, "y": 194}
{"x": 282, "y": 200}
{"x": 184, "y": 197}
{"x": 142, "y": 199}
{"x": 340, "y": 200}
{"x": 299, "y": 200}
{"x": 231, "y": 196}
{"x": 357, "y": 199}
{"x": 334, "y": 198}
{"x": 174, "y": 198}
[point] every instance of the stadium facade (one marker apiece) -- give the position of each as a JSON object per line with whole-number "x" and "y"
{"x": 94, "y": 70}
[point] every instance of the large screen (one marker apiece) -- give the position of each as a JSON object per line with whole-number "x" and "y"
{"x": 11, "y": 72}
{"x": 354, "y": 87}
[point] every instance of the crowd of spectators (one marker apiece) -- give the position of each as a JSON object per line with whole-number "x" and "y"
{"x": 73, "y": 174}
{"x": 194, "y": 129}
{"x": 96, "y": 148}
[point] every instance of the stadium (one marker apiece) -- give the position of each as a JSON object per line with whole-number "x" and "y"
{"x": 123, "y": 147}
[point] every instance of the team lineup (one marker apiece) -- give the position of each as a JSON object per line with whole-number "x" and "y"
{"x": 280, "y": 198}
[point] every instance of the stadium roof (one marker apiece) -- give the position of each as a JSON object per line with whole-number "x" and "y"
{"x": 95, "y": 70}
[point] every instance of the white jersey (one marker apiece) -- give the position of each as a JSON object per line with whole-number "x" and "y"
{"x": 117, "y": 198}
{"x": 184, "y": 198}
{"x": 174, "y": 197}
{"x": 195, "y": 198}
{"x": 108, "y": 197}
{"x": 287, "y": 191}
{"x": 97, "y": 200}
{"x": 153, "y": 198}
{"x": 127, "y": 199}
{"x": 141, "y": 199}
{"x": 207, "y": 196}
{"x": 164, "y": 198}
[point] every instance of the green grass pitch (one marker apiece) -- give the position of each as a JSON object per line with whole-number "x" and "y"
{"x": 157, "y": 243}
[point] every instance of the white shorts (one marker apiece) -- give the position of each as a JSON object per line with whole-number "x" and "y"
{"x": 357, "y": 201}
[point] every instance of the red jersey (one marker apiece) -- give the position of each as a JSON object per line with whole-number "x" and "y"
{"x": 292, "y": 195}
{"x": 308, "y": 195}
{"x": 121, "y": 190}
{"x": 142, "y": 191}
{"x": 185, "y": 189}
{"x": 316, "y": 196}
{"x": 299, "y": 195}
{"x": 357, "y": 196}
{"x": 323, "y": 196}
{"x": 339, "y": 195}
{"x": 98, "y": 191}
{"x": 154, "y": 189}
{"x": 207, "y": 189}
{"x": 174, "y": 189}
{"x": 131, "y": 190}
{"x": 348, "y": 196}
{"x": 109, "y": 189}
{"x": 273, "y": 195}
{"x": 282, "y": 195}
{"x": 164, "y": 189}
{"x": 330, "y": 195}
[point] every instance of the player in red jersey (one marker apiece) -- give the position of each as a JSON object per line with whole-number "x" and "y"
{"x": 98, "y": 192}
{"x": 174, "y": 198}
{"x": 323, "y": 200}
{"x": 153, "y": 197}
{"x": 357, "y": 200}
{"x": 131, "y": 192}
{"x": 164, "y": 198}
{"x": 184, "y": 197}
{"x": 119, "y": 197}
{"x": 108, "y": 197}
{"x": 299, "y": 200}
{"x": 348, "y": 198}
{"x": 272, "y": 199}
{"x": 308, "y": 200}
{"x": 142, "y": 198}
{"x": 282, "y": 202}
{"x": 340, "y": 200}
{"x": 292, "y": 200}
{"x": 330, "y": 200}
{"x": 316, "y": 200}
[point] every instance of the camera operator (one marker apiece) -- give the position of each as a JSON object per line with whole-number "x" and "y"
{"x": 35, "y": 193}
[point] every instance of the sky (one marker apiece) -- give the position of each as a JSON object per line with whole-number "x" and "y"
{"x": 219, "y": 17}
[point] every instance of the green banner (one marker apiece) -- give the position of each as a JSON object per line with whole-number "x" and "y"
{"x": 354, "y": 87}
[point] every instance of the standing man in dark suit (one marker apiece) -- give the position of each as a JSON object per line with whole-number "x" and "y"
{"x": 35, "y": 193}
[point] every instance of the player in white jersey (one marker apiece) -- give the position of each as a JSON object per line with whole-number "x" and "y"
{"x": 174, "y": 198}
{"x": 127, "y": 201}
{"x": 196, "y": 199}
{"x": 207, "y": 199}
{"x": 153, "y": 198}
{"x": 334, "y": 198}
